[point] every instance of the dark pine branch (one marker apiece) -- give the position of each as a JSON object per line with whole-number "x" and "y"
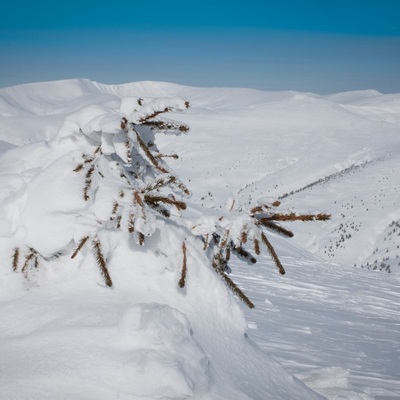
{"x": 149, "y": 198}
{"x": 159, "y": 208}
{"x": 148, "y": 154}
{"x": 294, "y": 217}
{"x": 101, "y": 262}
{"x": 154, "y": 114}
{"x": 273, "y": 254}
{"x": 182, "y": 281}
{"x": 273, "y": 227}
{"x": 242, "y": 253}
{"x": 15, "y": 259}
{"x": 167, "y": 126}
{"x": 79, "y": 247}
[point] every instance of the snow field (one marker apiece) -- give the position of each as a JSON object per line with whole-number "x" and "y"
{"x": 66, "y": 335}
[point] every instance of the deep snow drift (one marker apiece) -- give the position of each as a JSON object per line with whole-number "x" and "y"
{"x": 65, "y": 335}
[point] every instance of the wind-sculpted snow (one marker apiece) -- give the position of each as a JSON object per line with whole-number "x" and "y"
{"x": 66, "y": 335}
{"x": 349, "y": 313}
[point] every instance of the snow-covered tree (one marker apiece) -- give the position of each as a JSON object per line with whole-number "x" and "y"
{"x": 129, "y": 185}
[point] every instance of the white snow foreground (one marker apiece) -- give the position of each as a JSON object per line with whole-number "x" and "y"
{"x": 65, "y": 334}
{"x": 72, "y": 337}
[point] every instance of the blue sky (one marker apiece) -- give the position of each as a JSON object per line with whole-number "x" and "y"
{"x": 321, "y": 46}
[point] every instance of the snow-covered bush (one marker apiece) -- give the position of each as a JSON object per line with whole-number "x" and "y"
{"x": 128, "y": 186}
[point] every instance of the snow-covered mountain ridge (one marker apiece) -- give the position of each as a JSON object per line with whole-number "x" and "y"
{"x": 336, "y": 154}
{"x": 249, "y": 144}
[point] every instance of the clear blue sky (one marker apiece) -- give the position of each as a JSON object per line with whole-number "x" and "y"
{"x": 323, "y": 46}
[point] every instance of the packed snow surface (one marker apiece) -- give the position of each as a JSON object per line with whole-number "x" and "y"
{"x": 329, "y": 328}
